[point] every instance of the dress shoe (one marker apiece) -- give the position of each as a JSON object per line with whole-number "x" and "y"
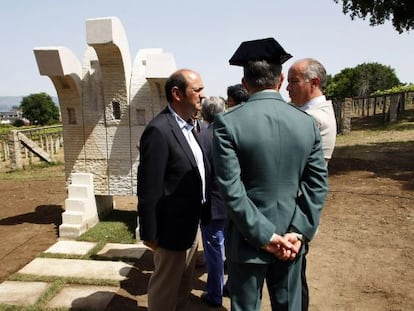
{"x": 204, "y": 298}
{"x": 226, "y": 292}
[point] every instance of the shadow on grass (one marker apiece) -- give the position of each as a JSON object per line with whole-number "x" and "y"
{"x": 392, "y": 160}
{"x": 129, "y": 218}
{"x": 117, "y": 227}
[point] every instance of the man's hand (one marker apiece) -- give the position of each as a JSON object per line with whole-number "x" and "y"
{"x": 284, "y": 247}
{"x": 280, "y": 247}
{"x": 294, "y": 239}
{"x": 151, "y": 244}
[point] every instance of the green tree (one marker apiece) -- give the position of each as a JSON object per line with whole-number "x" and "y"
{"x": 18, "y": 123}
{"x": 361, "y": 80}
{"x": 400, "y": 12}
{"x": 39, "y": 109}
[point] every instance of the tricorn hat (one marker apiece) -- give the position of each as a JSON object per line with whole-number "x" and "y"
{"x": 267, "y": 49}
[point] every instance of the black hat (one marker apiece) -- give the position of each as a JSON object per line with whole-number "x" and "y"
{"x": 262, "y": 49}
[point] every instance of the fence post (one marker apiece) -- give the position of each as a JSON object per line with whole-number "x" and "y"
{"x": 51, "y": 148}
{"x": 386, "y": 111}
{"x": 347, "y": 114}
{"x": 5, "y": 154}
{"x": 393, "y": 108}
{"x": 16, "y": 161}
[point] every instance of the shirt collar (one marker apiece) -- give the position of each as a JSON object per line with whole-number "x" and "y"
{"x": 312, "y": 102}
{"x": 268, "y": 91}
{"x": 180, "y": 121}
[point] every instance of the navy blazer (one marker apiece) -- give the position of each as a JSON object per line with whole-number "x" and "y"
{"x": 169, "y": 185}
{"x": 218, "y": 210}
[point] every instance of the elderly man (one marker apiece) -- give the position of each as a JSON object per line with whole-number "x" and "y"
{"x": 307, "y": 78}
{"x": 213, "y": 232}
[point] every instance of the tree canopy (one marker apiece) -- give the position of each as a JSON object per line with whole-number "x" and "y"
{"x": 361, "y": 80}
{"x": 400, "y": 12}
{"x": 39, "y": 109}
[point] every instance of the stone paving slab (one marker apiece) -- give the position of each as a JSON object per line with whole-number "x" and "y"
{"x": 81, "y": 297}
{"x": 21, "y": 293}
{"x": 71, "y": 247}
{"x": 113, "y": 270}
{"x": 128, "y": 251}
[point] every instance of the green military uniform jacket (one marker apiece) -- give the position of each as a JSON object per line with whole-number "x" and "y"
{"x": 271, "y": 172}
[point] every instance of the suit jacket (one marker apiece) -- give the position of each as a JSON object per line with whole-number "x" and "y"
{"x": 325, "y": 119}
{"x": 218, "y": 211}
{"x": 169, "y": 185}
{"x": 264, "y": 151}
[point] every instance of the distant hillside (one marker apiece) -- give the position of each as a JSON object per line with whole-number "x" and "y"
{"x": 7, "y": 102}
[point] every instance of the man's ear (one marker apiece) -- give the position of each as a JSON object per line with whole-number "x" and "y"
{"x": 281, "y": 80}
{"x": 316, "y": 82}
{"x": 176, "y": 93}
{"x": 244, "y": 84}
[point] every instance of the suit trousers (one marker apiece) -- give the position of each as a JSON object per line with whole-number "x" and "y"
{"x": 171, "y": 282}
{"x": 213, "y": 244}
{"x": 283, "y": 280}
{"x": 305, "y": 288}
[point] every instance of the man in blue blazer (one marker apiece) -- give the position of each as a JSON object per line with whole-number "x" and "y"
{"x": 172, "y": 192}
{"x": 272, "y": 175}
{"x": 213, "y": 232}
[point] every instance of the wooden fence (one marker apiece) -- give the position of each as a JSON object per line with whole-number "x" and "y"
{"x": 386, "y": 106}
{"x": 43, "y": 143}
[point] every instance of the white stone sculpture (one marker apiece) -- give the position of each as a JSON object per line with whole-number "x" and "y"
{"x": 105, "y": 104}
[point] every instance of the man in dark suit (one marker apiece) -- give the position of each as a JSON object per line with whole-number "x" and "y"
{"x": 272, "y": 175}
{"x": 213, "y": 232}
{"x": 172, "y": 177}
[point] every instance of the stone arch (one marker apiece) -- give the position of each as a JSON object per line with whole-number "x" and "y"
{"x": 64, "y": 69}
{"x": 97, "y": 143}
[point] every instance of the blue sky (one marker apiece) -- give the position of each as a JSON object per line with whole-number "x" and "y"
{"x": 202, "y": 35}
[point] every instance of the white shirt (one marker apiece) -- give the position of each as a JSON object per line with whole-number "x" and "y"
{"x": 187, "y": 130}
{"x": 314, "y": 101}
{"x": 322, "y": 111}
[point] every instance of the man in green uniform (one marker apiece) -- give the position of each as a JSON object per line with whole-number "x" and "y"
{"x": 273, "y": 178}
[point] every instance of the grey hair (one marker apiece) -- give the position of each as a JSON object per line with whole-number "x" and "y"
{"x": 212, "y": 106}
{"x": 261, "y": 74}
{"x": 315, "y": 69}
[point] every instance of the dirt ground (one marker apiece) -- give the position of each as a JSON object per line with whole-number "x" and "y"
{"x": 361, "y": 259}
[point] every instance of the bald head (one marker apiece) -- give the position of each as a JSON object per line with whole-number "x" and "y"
{"x": 306, "y": 80}
{"x": 184, "y": 91}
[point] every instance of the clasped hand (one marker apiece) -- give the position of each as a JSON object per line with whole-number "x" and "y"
{"x": 284, "y": 247}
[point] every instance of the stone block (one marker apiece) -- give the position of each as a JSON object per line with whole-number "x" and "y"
{"x": 92, "y": 298}
{"x": 21, "y": 293}
{"x": 75, "y": 205}
{"x": 73, "y": 218}
{"x": 78, "y": 192}
{"x": 70, "y": 231}
{"x": 71, "y": 247}
{"x": 82, "y": 179}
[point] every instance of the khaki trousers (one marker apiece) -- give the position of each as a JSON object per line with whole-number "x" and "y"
{"x": 171, "y": 282}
